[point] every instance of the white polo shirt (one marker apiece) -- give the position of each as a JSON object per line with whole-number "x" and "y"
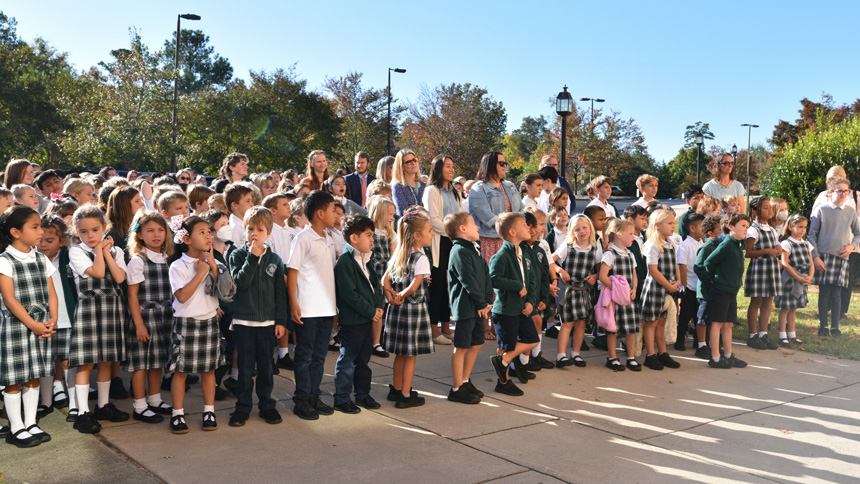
{"x": 313, "y": 256}
{"x": 610, "y": 212}
{"x": 80, "y": 261}
{"x": 687, "y": 256}
{"x": 279, "y": 241}
{"x": 238, "y": 228}
{"x": 200, "y": 305}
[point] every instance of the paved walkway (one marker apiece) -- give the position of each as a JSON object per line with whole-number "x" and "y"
{"x": 789, "y": 417}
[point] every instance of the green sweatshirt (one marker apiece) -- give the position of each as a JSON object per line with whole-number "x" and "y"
{"x": 259, "y": 283}
{"x": 508, "y": 281}
{"x": 706, "y": 281}
{"x": 469, "y": 284}
{"x": 726, "y": 265}
{"x": 357, "y": 301}
{"x": 542, "y": 276}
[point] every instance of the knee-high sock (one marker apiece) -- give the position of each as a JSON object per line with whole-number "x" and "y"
{"x": 30, "y": 401}
{"x": 13, "y": 412}
{"x": 82, "y": 392}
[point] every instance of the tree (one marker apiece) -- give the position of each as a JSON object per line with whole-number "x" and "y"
{"x": 460, "y": 120}
{"x": 200, "y": 66}
{"x": 785, "y": 133}
{"x": 519, "y": 147}
{"x": 693, "y": 130}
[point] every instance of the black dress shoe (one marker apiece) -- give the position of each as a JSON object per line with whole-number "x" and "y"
{"x": 162, "y": 408}
{"x": 462, "y": 395}
{"x": 679, "y": 345}
{"x": 238, "y": 418}
{"x": 154, "y": 418}
{"x": 543, "y": 362}
{"x": 110, "y": 413}
{"x": 321, "y": 407}
{"x": 42, "y": 436}
{"x": 533, "y": 365}
{"x": 4, "y": 431}
{"x": 286, "y": 363}
{"x": 22, "y": 443}
{"x": 61, "y": 399}
{"x": 271, "y": 416}
{"x": 518, "y": 370}
{"x": 393, "y": 393}
{"x": 178, "y": 425}
{"x": 304, "y": 410}
{"x": 498, "y": 365}
{"x": 72, "y": 415}
{"x": 43, "y": 411}
{"x": 210, "y": 421}
{"x": 86, "y": 423}
{"x": 379, "y": 352}
{"x": 368, "y": 403}
{"x": 347, "y": 407}
{"x": 667, "y": 361}
{"x": 232, "y": 385}
{"x": 221, "y": 394}
{"x": 117, "y": 390}
{"x": 413, "y": 400}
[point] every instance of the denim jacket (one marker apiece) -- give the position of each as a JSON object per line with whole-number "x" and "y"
{"x": 487, "y": 202}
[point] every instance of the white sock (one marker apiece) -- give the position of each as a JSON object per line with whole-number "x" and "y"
{"x": 140, "y": 406}
{"x": 58, "y": 387}
{"x": 524, "y": 359}
{"x": 537, "y": 349}
{"x": 282, "y": 352}
{"x": 178, "y": 411}
{"x": 154, "y": 400}
{"x": 762, "y": 333}
{"x": 728, "y": 355}
{"x": 46, "y": 383}
{"x": 30, "y": 401}
{"x": 234, "y": 373}
{"x": 782, "y": 335}
{"x": 701, "y": 344}
{"x": 13, "y": 413}
{"x": 717, "y": 358}
{"x": 792, "y": 334}
{"x": 70, "y": 384}
{"x": 574, "y": 354}
{"x": 103, "y": 388}
{"x": 82, "y": 395}
{"x": 208, "y": 408}
{"x": 559, "y": 356}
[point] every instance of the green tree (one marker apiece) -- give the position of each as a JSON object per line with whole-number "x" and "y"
{"x": 693, "y": 130}
{"x": 200, "y": 66}
{"x": 785, "y": 133}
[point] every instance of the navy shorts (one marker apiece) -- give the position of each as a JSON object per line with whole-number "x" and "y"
{"x": 702, "y": 313}
{"x": 723, "y": 307}
{"x": 468, "y": 333}
{"x": 511, "y": 330}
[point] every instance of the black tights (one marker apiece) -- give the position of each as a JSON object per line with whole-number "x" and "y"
{"x": 829, "y": 299}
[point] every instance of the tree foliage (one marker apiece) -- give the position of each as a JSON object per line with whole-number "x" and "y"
{"x": 786, "y": 133}
{"x": 693, "y": 130}
{"x": 200, "y": 67}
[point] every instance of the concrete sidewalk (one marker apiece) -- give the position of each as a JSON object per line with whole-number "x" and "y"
{"x": 789, "y": 417}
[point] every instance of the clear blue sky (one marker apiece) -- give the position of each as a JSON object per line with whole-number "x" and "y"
{"x": 666, "y": 64}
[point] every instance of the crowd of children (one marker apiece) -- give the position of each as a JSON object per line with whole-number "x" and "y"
{"x": 164, "y": 278}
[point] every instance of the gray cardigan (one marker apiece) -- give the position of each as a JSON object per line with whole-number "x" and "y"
{"x": 833, "y": 228}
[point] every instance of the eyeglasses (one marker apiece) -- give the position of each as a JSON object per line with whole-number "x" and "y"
{"x": 841, "y": 192}
{"x": 184, "y": 179}
{"x": 502, "y": 163}
{"x": 409, "y": 162}
{"x": 727, "y": 163}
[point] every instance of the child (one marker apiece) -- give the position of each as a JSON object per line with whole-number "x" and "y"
{"x": 408, "y": 320}
{"x": 619, "y": 261}
{"x": 598, "y": 220}
{"x": 359, "y": 304}
{"x": 550, "y": 276}
{"x": 297, "y": 221}
{"x": 259, "y": 315}
{"x": 279, "y": 242}
{"x": 709, "y": 205}
{"x": 579, "y": 258}
{"x": 82, "y": 190}
{"x": 797, "y": 274}
{"x": 692, "y": 195}
{"x": 30, "y": 315}
{"x": 711, "y": 228}
{"x": 725, "y": 268}
{"x": 149, "y": 300}
{"x": 123, "y": 204}
{"x": 731, "y": 204}
{"x": 637, "y": 216}
{"x": 198, "y": 198}
{"x": 510, "y": 276}
{"x": 530, "y": 190}
{"x": 195, "y": 277}
{"x": 98, "y": 332}
{"x": 686, "y": 266}
{"x": 647, "y": 185}
{"x": 834, "y": 233}
{"x": 6, "y": 199}
{"x": 216, "y": 202}
{"x": 540, "y": 270}
{"x": 378, "y": 187}
{"x": 335, "y": 232}
{"x": 663, "y": 279}
{"x": 762, "y": 281}
{"x": 26, "y": 195}
{"x": 219, "y": 226}
{"x": 471, "y": 293}
{"x": 603, "y": 185}
{"x": 381, "y": 211}
{"x": 780, "y": 214}
{"x": 311, "y": 290}
{"x": 173, "y": 203}
{"x": 559, "y": 219}
{"x": 238, "y": 198}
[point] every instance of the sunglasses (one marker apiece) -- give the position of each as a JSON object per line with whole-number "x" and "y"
{"x": 502, "y": 163}
{"x": 409, "y": 162}
{"x": 727, "y": 163}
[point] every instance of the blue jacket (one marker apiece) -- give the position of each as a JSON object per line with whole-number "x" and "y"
{"x": 353, "y": 185}
{"x": 487, "y": 202}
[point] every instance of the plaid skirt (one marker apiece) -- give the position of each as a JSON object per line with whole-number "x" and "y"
{"x": 785, "y": 301}
{"x": 60, "y": 343}
{"x": 98, "y": 333}
{"x": 627, "y": 318}
{"x": 195, "y": 345}
{"x": 577, "y": 304}
{"x": 836, "y": 273}
{"x": 652, "y": 299}
{"x": 23, "y": 355}
{"x": 155, "y": 353}
{"x": 763, "y": 278}
{"x": 408, "y": 329}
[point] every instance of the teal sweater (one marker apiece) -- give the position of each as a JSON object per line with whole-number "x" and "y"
{"x": 706, "y": 281}
{"x": 726, "y": 265}
{"x": 259, "y": 283}
{"x": 508, "y": 281}
{"x": 357, "y": 302}
{"x": 469, "y": 286}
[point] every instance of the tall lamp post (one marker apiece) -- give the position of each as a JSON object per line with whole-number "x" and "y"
{"x": 593, "y": 100}
{"x": 700, "y": 141}
{"x": 187, "y": 16}
{"x": 749, "y": 147}
{"x": 563, "y": 106}
{"x": 399, "y": 71}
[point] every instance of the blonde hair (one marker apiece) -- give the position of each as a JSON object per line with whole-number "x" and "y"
{"x": 296, "y": 210}
{"x": 258, "y": 216}
{"x": 136, "y": 245}
{"x": 377, "y": 208}
{"x": 397, "y": 175}
{"x": 709, "y": 203}
{"x": 168, "y": 198}
{"x": 646, "y": 179}
{"x": 216, "y": 202}
{"x": 658, "y": 217}
{"x": 410, "y": 224}
{"x": 378, "y": 187}
{"x": 834, "y": 172}
{"x": 614, "y": 227}
{"x": 571, "y": 236}
{"x": 74, "y": 186}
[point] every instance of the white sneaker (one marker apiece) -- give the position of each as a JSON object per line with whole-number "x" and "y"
{"x": 441, "y": 340}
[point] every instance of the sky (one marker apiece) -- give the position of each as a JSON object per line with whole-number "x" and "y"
{"x": 664, "y": 64}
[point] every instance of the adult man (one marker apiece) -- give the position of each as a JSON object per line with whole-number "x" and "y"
{"x": 552, "y": 160}
{"x": 358, "y": 181}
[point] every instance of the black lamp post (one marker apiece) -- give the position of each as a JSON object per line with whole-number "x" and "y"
{"x": 700, "y": 141}
{"x": 563, "y": 106}
{"x": 593, "y": 100}
{"x": 749, "y": 147}
{"x": 187, "y": 16}
{"x": 399, "y": 71}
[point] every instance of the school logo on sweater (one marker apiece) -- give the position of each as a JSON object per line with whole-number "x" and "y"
{"x": 271, "y": 269}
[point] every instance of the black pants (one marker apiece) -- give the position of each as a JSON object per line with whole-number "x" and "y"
{"x": 829, "y": 299}
{"x": 689, "y": 309}
{"x": 255, "y": 345}
{"x": 846, "y": 291}
{"x": 438, "y": 304}
{"x": 352, "y": 369}
{"x": 229, "y": 336}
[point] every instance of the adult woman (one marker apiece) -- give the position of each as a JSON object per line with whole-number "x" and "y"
{"x": 233, "y": 169}
{"x": 491, "y": 196}
{"x": 20, "y": 171}
{"x": 317, "y": 170}
{"x": 724, "y": 182}
{"x": 440, "y": 199}
{"x": 406, "y": 186}
{"x": 384, "y": 169}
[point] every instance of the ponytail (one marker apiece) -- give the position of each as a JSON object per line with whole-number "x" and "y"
{"x": 181, "y": 247}
{"x": 14, "y": 218}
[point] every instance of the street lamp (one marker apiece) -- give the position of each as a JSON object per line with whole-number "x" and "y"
{"x": 563, "y": 106}
{"x": 593, "y": 100}
{"x": 399, "y": 71}
{"x": 187, "y": 16}
{"x": 749, "y": 147}
{"x": 700, "y": 141}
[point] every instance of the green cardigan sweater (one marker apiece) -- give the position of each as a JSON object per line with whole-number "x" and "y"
{"x": 356, "y": 301}
{"x": 259, "y": 283}
{"x": 508, "y": 281}
{"x": 469, "y": 286}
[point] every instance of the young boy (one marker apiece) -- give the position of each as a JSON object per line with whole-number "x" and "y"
{"x": 603, "y": 186}
{"x": 647, "y": 185}
{"x": 173, "y": 203}
{"x": 259, "y": 315}
{"x": 359, "y": 305}
{"x": 598, "y": 219}
{"x": 471, "y": 293}
{"x": 216, "y": 202}
{"x": 6, "y": 199}
{"x": 711, "y": 228}
{"x": 558, "y": 219}
{"x": 198, "y": 198}
{"x": 708, "y": 206}
{"x": 541, "y": 270}
{"x": 725, "y": 266}
{"x": 238, "y": 198}
{"x": 692, "y": 195}
{"x": 313, "y": 306}
{"x": 510, "y": 273}
{"x": 731, "y": 204}
{"x": 686, "y": 264}
{"x": 280, "y": 241}
{"x": 550, "y": 181}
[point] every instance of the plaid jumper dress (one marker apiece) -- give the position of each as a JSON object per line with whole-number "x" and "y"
{"x": 762, "y": 279}
{"x": 98, "y": 332}
{"x": 408, "y": 325}
{"x": 196, "y": 344}
{"x": 381, "y": 253}
{"x": 626, "y": 317}
{"x": 23, "y": 355}
{"x": 577, "y": 304}
{"x": 156, "y": 310}
{"x": 798, "y": 259}
{"x": 653, "y": 294}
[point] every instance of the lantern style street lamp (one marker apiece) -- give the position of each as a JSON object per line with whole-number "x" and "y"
{"x": 399, "y": 71}
{"x": 563, "y": 106}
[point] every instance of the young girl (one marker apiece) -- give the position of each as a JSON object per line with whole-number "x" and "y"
{"x": 149, "y": 300}
{"x": 98, "y": 332}
{"x": 579, "y": 258}
{"x": 29, "y": 306}
{"x": 381, "y": 210}
{"x": 780, "y": 214}
{"x": 618, "y": 261}
{"x": 196, "y": 340}
{"x": 82, "y": 190}
{"x": 797, "y": 273}
{"x": 408, "y": 321}
{"x": 557, "y": 232}
{"x": 762, "y": 281}
{"x": 122, "y": 205}
{"x": 663, "y": 278}
{"x": 26, "y": 195}
{"x": 530, "y": 189}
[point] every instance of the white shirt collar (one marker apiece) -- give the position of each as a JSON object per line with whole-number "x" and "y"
{"x": 360, "y": 257}
{"x": 380, "y": 232}
{"x": 21, "y": 256}
{"x": 188, "y": 259}
{"x": 833, "y": 205}
{"x": 86, "y": 247}
{"x": 154, "y": 256}
{"x": 619, "y": 249}
{"x": 236, "y": 220}
{"x": 795, "y": 240}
